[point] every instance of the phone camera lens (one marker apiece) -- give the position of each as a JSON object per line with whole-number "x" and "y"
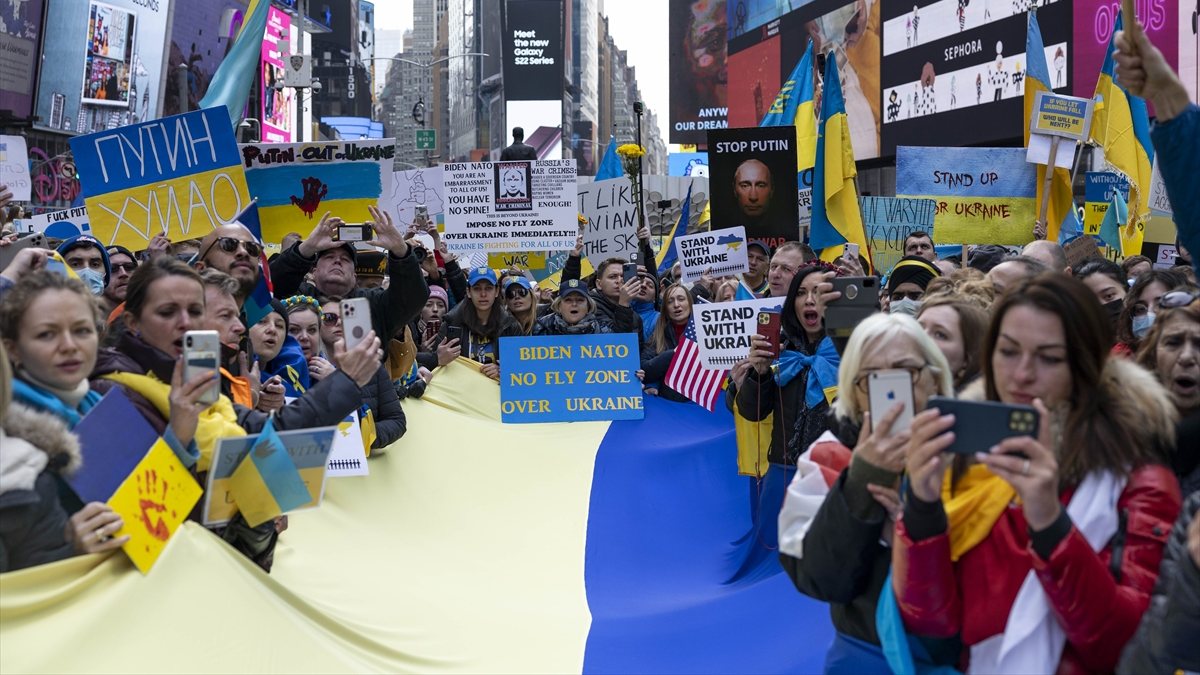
{"x": 358, "y": 331}
{"x": 851, "y": 292}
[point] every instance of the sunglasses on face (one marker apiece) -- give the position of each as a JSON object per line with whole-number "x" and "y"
{"x": 230, "y": 245}
{"x": 128, "y": 267}
{"x": 516, "y": 292}
{"x": 330, "y": 319}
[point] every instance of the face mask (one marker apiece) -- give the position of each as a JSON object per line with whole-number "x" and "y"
{"x": 1142, "y": 324}
{"x": 1114, "y": 308}
{"x": 92, "y": 279}
{"x": 905, "y": 306}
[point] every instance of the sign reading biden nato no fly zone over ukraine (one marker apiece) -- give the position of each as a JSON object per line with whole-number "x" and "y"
{"x": 570, "y": 378}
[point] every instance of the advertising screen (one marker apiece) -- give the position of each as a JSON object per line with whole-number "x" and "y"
{"x": 1094, "y": 20}
{"x": 698, "y": 69}
{"x": 533, "y": 51}
{"x": 744, "y": 16}
{"x": 754, "y": 80}
{"x": 20, "y": 30}
{"x": 278, "y": 111}
{"x": 109, "y": 55}
{"x": 201, "y": 35}
{"x": 954, "y": 71}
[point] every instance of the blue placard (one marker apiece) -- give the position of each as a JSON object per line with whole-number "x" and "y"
{"x": 570, "y": 378}
{"x": 1099, "y": 186}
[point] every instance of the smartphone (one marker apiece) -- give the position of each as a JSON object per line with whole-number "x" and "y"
{"x": 356, "y": 232}
{"x": 421, "y": 211}
{"x": 432, "y": 328}
{"x": 886, "y": 388}
{"x": 9, "y": 253}
{"x": 768, "y": 327}
{"x": 979, "y": 425}
{"x": 202, "y": 354}
{"x": 454, "y": 333}
{"x": 852, "y": 251}
{"x": 860, "y": 299}
{"x": 629, "y": 271}
{"x": 356, "y": 321}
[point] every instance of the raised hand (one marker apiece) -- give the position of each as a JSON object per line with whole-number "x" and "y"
{"x": 321, "y": 237}
{"x": 386, "y": 233}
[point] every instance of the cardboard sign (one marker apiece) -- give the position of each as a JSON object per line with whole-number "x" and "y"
{"x": 511, "y": 206}
{"x": 1080, "y": 249}
{"x": 983, "y": 195}
{"x": 110, "y": 458}
{"x": 532, "y": 261}
{"x": 1097, "y": 194}
{"x": 723, "y": 329}
{"x": 752, "y": 178}
{"x": 14, "y": 167}
{"x": 296, "y": 183}
{"x": 180, "y": 175}
{"x": 308, "y": 448}
{"x": 58, "y": 224}
{"x": 889, "y": 220}
{"x": 611, "y": 212}
{"x": 1160, "y": 203}
{"x": 348, "y": 457}
{"x": 570, "y": 378}
{"x": 153, "y": 502}
{"x": 718, "y": 253}
{"x": 1057, "y": 115}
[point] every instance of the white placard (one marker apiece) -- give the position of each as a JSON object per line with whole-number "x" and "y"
{"x": 14, "y": 167}
{"x": 718, "y": 253}
{"x": 348, "y": 458}
{"x": 1038, "y": 151}
{"x": 723, "y": 329}
{"x": 61, "y": 224}
{"x": 1159, "y": 202}
{"x": 511, "y": 206}
{"x": 413, "y": 188}
{"x": 611, "y": 231}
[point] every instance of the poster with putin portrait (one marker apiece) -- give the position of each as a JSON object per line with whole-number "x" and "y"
{"x": 752, "y": 176}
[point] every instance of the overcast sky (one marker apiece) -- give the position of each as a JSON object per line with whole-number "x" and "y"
{"x": 637, "y": 26}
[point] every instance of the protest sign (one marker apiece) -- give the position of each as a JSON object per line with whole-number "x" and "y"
{"x": 983, "y": 195}
{"x": 348, "y": 456}
{"x": 1058, "y": 115}
{"x": 511, "y": 206}
{"x": 308, "y": 448}
{"x": 413, "y": 188}
{"x": 532, "y": 261}
{"x": 752, "y": 178}
{"x": 111, "y": 457}
{"x": 1159, "y": 202}
{"x": 723, "y": 329}
{"x": 14, "y": 167}
{"x": 611, "y": 212}
{"x": 1080, "y": 249}
{"x": 58, "y": 224}
{"x": 1097, "y": 194}
{"x": 180, "y": 175}
{"x": 570, "y": 378}
{"x": 889, "y": 220}
{"x": 718, "y": 253}
{"x": 153, "y": 502}
{"x": 296, "y": 183}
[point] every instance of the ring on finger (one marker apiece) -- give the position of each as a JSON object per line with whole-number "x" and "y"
{"x": 100, "y": 536}
{"x": 1025, "y": 468}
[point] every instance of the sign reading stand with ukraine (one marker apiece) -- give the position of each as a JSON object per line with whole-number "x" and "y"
{"x": 296, "y": 183}
{"x": 178, "y": 175}
{"x": 570, "y": 378}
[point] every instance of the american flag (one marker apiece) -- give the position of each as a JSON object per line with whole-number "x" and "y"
{"x": 688, "y": 376}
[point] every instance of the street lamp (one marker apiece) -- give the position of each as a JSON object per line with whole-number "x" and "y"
{"x": 426, "y": 65}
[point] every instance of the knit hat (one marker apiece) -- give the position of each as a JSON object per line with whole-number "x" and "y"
{"x": 87, "y": 240}
{"x": 912, "y": 269}
{"x": 438, "y": 293}
{"x": 278, "y": 308}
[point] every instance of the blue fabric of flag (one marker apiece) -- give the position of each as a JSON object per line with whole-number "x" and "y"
{"x": 230, "y": 85}
{"x": 670, "y": 255}
{"x": 610, "y": 164}
{"x": 822, "y": 365}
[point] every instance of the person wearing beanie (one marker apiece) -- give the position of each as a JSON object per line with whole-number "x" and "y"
{"x": 758, "y": 252}
{"x": 121, "y": 263}
{"x": 907, "y": 282}
{"x": 427, "y": 325}
{"x": 86, "y": 255}
{"x": 280, "y": 356}
{"x": 371, "y": 269}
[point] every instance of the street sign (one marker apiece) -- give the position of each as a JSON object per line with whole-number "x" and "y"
{"x": 426, "y": 139}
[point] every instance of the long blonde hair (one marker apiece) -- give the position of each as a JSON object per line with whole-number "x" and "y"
{"x": 658, "y": 337}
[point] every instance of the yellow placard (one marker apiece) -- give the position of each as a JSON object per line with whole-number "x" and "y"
{"x": 153, "y": 502}
{"x": 529, "y": 260}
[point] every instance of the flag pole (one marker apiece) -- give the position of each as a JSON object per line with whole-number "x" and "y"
{"x": 1041, "y": 221}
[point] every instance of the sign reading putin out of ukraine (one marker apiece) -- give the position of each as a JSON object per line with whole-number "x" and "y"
{"x": 180, "y": 175}
{"x": 570, "y": 378}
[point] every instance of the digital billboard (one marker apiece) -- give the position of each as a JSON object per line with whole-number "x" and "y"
{"x": 20, "y": 33}
{"x": 108, "y": 55}
{"x": 954, "y": 71}
{"x": 1094, "y": 20}
{"x": 744, "y": 16}
{"x": 277, "y": 111}
{"x": 698, "y": 69}
{"x": 201, "y": 35}
{"x": 754, "y": 80}
{"x": 533, "y": 51}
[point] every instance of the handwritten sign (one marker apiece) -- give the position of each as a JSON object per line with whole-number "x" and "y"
{"x": 1160, "y": 203}
{"x": 1098, "y": 192}
{"x": 178, "y": 175}
{"x": 1058, "y": 115}
{"x": 14, "y": 167}
{"x": 723, "y": 329}
{"x": 718, "y": 253}
{"x": 611, "y": 212}
{"x": 417, "y": 187}
{"x": 534, "y": 260}
{"x": 296, "y": 183}
{"x": 308, "y": 448}
{"x": 983, "y": 195}
{"x": 152, "y": 502}
{"x": 888, "y": 222}
{"x": 570, "y": 378}
{"x": 58, "y": 224}
{"x": 510, "y": 206}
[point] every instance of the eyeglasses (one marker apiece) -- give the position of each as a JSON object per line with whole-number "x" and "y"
{"x": 914, "y": 373}
{"x": 1176, "y": 299}
{"x": 330, "y": 319}
{"x": 516, "y": 292}
{"x": 230, "y": 245}
{"x": 128, "y": 267}
{"x": 908, "y": 295}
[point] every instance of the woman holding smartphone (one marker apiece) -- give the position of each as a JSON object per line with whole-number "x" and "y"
{"x": 1041, "y": 555}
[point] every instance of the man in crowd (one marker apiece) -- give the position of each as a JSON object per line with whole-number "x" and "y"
{"x": 371, "y": 269}
{"x": 759, "y": 255}
{"x": 785, "y": 263}
{"x": 907, "y": 282}
{"x": 86, "y": 255}
{"x": 122, "y": 262}
{"x": 1049, "y": 254}
{"x": 1014, "y": 270}
{"x": 234, "y": 250}
{"x": 332, "y": 265}
{"x": 919, "y": 243}
{"x": 614, "y": 297}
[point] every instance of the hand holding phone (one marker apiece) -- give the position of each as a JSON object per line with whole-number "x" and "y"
{"x": 768, "y": 326}
{"x": 886, "y": 389}
{"x": 356, "y": 321}
{"x": 201, "y": 354}
{"x": 981, "y": 425}
{"x": 355, "y": 232}
{"x": 860, "y": 298}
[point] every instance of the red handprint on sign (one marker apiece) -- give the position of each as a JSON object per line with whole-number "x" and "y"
{"x": 148, "y": 501}
{"x": 314, "y": 191}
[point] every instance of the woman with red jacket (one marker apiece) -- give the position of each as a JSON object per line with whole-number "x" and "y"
{"x": 1041, "y": 553}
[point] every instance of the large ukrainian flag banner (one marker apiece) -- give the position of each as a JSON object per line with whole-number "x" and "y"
{"x": 793, "y": 106}
{"x": 1037, "y": 77}
{"x": 296, "y": 183}
{"x": 180, "y": 175}
{"x": 472, "y": 547}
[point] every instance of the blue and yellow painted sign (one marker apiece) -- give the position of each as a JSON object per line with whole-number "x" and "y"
{"x": 570, "y": 378}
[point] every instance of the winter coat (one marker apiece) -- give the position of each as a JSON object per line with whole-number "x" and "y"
{"x": 1177, "y": 150}
{"x": 553, "y": 324}
{"x": 391, "y": 307}
{"x": 478, "y": 341}
{"x": 656, "y": 363}
{"x": 1165, "y": 641}
{"x": 1098, "y": 598}
{"x": 36, "y": 446}
{"x": 380, "y": 396}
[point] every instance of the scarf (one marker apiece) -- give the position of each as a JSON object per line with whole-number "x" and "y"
{"x": 586, "y": 326}
{"x": 217, "y": 421}
{"x": 41, "y": 399}
{"x": 822, "y": 367}
{"x": 973, "y": 505}
{"x": 291, "y": 367}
